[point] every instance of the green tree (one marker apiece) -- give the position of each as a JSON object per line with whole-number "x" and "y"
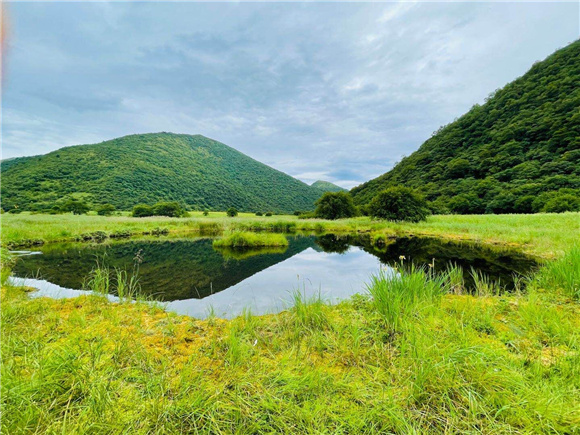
{"x": 75, "y": 206}
{"x": 206, "y": 212}
{"x": 106, "y": 210}
{"x": 170, "y": 209}
{"x": 232, "y": 212}
{"x": 335, "y": 205}
{"x": 399, "y": 204}
{"x": 142, "y": 210}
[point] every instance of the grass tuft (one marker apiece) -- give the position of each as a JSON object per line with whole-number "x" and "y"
{"x": 239, "y": 239}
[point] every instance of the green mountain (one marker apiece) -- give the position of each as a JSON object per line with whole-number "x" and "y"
{"x": 327, "y": 186}
{"x": 147, "y": 168}
{"x": 518, "y": 152}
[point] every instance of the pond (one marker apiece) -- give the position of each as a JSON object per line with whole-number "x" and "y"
{"x": 195, "y": 279}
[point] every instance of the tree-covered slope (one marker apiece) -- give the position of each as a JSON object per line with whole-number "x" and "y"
{"x": 147, "y": 168}
{"x": 518, "y": 152}
{"x": 327, "y": 186}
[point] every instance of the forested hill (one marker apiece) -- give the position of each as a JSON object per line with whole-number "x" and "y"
{"x": 327, "y": 186}
{"x": 147, "y": 168}
{"x": 518, "y": 152}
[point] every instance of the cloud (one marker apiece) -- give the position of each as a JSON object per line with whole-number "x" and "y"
{"x": 318, "y": 90}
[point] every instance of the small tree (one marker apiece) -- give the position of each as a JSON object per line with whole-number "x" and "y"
{"x": 75, "y": 206}
{"x": 259, "y": 213}
{"x": 142, "y": 210}
{"x": 232, "y": 212}
{"x": 399, "y": 204}
{"x": 335, "y": 205}
{"x": 106, "y": 210}
{"x": 269, "y": 214}
{"x": 206, "y": 212}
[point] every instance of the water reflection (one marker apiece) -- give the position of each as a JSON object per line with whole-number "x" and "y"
{"x": 195, "y": 279}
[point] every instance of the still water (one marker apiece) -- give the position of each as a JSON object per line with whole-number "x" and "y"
{"x": 193, "y": 278}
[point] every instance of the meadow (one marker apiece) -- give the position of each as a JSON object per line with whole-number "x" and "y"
{"x": 414, "y": 354}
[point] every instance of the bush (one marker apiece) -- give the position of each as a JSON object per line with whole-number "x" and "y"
{"x": 259, "y": 213}
{"x": 75, "y": 206}
{"x": 399, "y": 204}
{"x": 15, "y": 211}
{"x": 335, "y": 205}
{"x": 170, "y": 209}
{"x": 206, "y": 212}
{"x": 269, "y": 213}
{"x": 142, "y": 210}
{"x": 232, "y": 212}
{"x": 106, "y": 210}
{"x": 298, "y": 213}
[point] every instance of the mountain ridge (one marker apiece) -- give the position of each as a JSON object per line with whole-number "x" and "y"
{"x": 519, "y": 152}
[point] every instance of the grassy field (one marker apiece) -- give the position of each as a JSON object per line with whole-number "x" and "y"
{"x": 414, "y": 355}
{"x": 546, "y": 235}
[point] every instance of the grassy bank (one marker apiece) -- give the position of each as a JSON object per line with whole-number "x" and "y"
{"x": 546, "y": 235}
{"x": 413, "y": 359}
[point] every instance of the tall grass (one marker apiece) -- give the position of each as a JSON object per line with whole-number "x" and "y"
{"x": 401, "y": 295}
{"x": 562, "y": 275}
{"x": 308, "y": 312}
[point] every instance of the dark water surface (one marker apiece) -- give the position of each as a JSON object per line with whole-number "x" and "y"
{"x": 194, "y": 278}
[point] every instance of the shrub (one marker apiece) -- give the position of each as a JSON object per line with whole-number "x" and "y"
{"x": 106, "y": 210}
{"x": 269, "y": 213}
{"x": 142, "y": 210}
{"x": 259, "y": 213}
{"x": 399, "y": 204}
{"x": 232, "y": 212}
{"x": 170, "y": 209}
{"x": 75, "y": 206}
{"x": 298, "y": 213}
{"x": 15, "y": 211}
{"x": 206, "y": 212}
{"x": 335, "y": 205}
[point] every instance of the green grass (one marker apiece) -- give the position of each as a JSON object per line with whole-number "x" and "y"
{"x": 398, "y": 296}
{"x": 239, "y": 239}
{"x": 545, "y": 235}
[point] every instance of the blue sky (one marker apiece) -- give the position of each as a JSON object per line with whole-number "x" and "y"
{"x": 330, "y": 91}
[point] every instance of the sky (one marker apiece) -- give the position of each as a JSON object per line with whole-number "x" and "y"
{"x": 332, "y": 91}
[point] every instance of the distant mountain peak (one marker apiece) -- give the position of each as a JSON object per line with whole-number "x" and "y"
{"x": 327, "y": 186}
